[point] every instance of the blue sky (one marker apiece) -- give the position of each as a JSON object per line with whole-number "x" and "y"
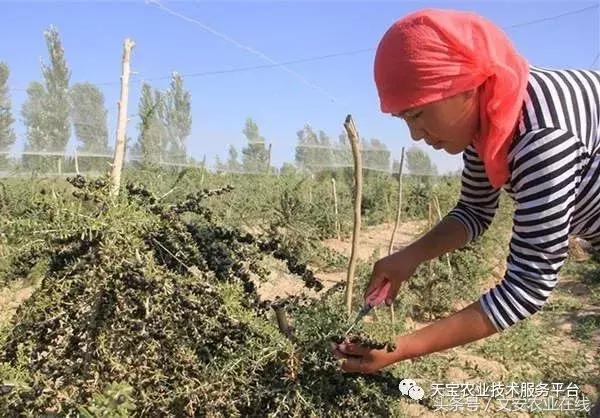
{"x": 280, "y": 102}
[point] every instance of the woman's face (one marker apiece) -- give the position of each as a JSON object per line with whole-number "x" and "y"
{"x": 450, "y": 124}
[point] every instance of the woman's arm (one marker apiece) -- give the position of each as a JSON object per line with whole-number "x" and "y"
{"x": 544, "y": 184}
{"x": 465, "y": 326}
{"x": 448, "y": 235}
{"x": 469, "y": 324}
{"x": 398, "y": 267}
{"x": 470, "y": 218}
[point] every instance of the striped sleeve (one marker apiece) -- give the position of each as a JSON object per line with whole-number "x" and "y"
{"x": 545, "y": 176}
{"x": 478, "y": 200}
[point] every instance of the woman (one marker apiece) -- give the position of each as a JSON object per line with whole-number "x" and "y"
{"x": 460, "y": 85}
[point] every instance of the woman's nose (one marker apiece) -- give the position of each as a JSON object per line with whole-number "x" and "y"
{"x": 416, "y": 133}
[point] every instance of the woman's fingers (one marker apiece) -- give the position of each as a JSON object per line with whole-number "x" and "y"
{"x": 380, "y": 294}
{"x": 353, "y": 349}
{"x": 353, "y": 365}
{"x": 360, "y": 359}
{"x": 374, "y": 283}
{"x": 393, "y": 292}
{"x": 337, "y": 353}
{"x": 347, "y": 350}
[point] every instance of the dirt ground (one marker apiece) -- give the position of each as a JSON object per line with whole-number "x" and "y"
{"x": 377, "y": 238}
{"x": 373, "y": 240}
{"x": 12, "y": 296}
{"x": 467, "y": 363}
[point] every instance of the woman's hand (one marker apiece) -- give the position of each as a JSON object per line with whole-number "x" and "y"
{"x": 396, "y": 269}
{"x": 361, "y": 359}
{"x": 465, "y": 326}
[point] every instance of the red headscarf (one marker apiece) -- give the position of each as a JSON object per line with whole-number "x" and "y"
{"x": 432, "y": 54}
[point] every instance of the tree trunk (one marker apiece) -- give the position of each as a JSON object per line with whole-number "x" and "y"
{"x": 355, "y": 144}
{"x": 399, "y": 209}
{"x": 268, "y": 168}
{"x": 335, "y": 210}
{"x": 117, "y": 166}
{"x": 397, "y": 223}
{"x": 436, "y": 203}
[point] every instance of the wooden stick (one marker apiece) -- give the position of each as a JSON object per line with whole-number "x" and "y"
{"x": 430, "y": 218}
{"x": 430, "y": 225}
{"x": 398, "y": 214}
{"x": 393, "y": 316}
{"x": 375, "y": 314}
{"x": 282, "y": 322}
{"x": 436, "y": 203}
{"x": 117, "y": 166}
{"x": 355, "y": 144}
{"x": 335, "y": 209}
{"x": 399, "y": 209}
{"x": 268, "y": 169}
{"x": 76, "y": 163}
{"x": 59, "y": 163}
{"x": 203, "y": 169}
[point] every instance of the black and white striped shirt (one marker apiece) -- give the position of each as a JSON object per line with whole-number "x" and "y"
{"x": 554, "y": 180}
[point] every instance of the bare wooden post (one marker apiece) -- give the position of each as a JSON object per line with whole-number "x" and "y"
{"x": 76, "y": 164}
{"x": 282, "y": 322}
{"x": 399, "y": 209}
{"x": 309, "y": 191}
{"x": 119, "y": 156}
{"x": 430, "y": 217}
{"x": 429, "y": 226}
{"x": 335, "y": 209}
{"x": 436, "y": 203}
{"x": 203, "y": 170}
{"x": 268, "y": 168}
{"x": 59, "y": 164}
{"x": 355, "y": 144}
{"x": 398, "y": 214}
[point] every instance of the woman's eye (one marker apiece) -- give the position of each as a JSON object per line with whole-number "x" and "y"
{"x": 406, "y": 117}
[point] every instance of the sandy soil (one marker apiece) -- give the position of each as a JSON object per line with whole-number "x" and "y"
{"x": 373, "y": 240}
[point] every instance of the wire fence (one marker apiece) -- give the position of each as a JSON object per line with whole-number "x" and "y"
{"x": 62, "y": 163}
{"x": 94, "y": 123}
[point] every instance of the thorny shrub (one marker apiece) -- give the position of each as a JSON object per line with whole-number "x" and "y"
{"x": 150, "y": 308}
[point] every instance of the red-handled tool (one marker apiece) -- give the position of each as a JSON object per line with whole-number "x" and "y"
{"x": 376, "y": 297}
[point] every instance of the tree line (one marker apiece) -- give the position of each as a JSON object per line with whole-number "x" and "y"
{"x": 55, "y": 108}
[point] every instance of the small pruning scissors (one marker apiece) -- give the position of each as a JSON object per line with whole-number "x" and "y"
{"x": 373, "y": 299}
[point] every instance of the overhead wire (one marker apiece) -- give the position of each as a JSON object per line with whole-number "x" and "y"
{"x": 595, "y": 60}
{"x": 326, "y": 56}
{"x": 284, "y": 64}
{"x": 246, "y": 48}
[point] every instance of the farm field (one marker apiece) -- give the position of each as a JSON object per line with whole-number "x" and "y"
{"x": 162, "y": 301}
{"x": 196, "y": 195}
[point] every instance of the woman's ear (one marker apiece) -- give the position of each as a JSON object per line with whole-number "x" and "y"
{"x": 471, "y": 97}
{"x": 469, "y": 94}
